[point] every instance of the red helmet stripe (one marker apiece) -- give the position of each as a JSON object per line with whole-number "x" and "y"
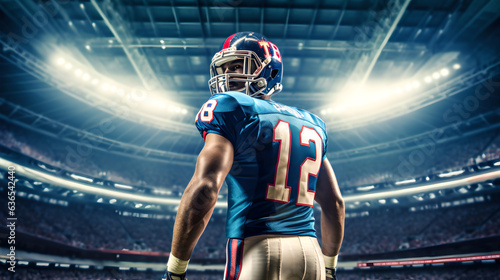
{"x": 228, "y": 41}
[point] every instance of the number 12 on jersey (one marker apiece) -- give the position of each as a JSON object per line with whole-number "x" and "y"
{"x": 279, "y": 191}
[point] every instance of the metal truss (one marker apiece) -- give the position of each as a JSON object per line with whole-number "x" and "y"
{"x": 109, "y": 11}
{"x": 481, "y": 123}
{"x": 381, "y": 29}
{"x": 13, "y": 52}
{"x": 453, "y": 86}
{"x": 28, "y": 119}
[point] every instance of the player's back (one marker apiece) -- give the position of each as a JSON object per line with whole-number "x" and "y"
{"x": 278, "y": 154}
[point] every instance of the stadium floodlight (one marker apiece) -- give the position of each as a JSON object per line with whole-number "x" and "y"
{"x": 85, "y": 76}
{"x": 444, "y": 72}
{"x": 418, "y": 197}
{"x": 121, "y": 186}
{"x": 105, "y": 87}
{"x": 87, "y": 47}
{"x": 82, "y": 178}
{"x": 68, "y": 66}
{"x": 463, "y": 190}
{"x": 365, "y": 188}
{"x": 428, "y": 79}
{"x": 436, "y": 75}
{"x": 61, "y": 61}
{"x": 405, "y": 182}
{"x": 156, "y": 103}
{"x": 451, "y": 173}
{"x": 456, "y": 66}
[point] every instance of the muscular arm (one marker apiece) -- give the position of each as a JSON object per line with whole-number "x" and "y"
{"x": 332, "y": 210}
{"x": 200, "y": 196}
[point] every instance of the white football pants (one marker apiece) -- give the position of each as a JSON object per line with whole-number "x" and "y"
{"x": 274, "y": 257}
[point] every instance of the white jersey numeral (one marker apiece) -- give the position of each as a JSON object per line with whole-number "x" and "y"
{"x": 309, "y": 166}
{"x": 207, "y": 108}
{"x": 279, "y": 191}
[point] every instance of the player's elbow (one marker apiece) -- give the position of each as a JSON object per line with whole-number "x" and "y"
{"x": 332, "y": 204}
{"x": 204, "y": 193}
{"x": 340, "y": 204}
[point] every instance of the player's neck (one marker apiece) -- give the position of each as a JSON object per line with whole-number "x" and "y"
{"x": 265, "y": 97}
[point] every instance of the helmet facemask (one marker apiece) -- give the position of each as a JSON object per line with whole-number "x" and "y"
{"x": 247, "y": 82}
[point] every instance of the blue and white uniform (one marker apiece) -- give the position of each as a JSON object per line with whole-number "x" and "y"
{"x": 278, "y": 151}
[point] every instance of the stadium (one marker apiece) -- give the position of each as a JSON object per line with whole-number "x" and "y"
{"x": 98, "y": 143}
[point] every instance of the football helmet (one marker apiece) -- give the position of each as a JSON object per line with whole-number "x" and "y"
{"x": 260, "y": 60}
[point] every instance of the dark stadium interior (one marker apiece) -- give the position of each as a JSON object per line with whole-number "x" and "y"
{"x": 103, "y": 94}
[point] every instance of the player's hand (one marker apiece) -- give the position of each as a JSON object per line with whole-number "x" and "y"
{"x": 330, "y": 273}
{"x": 172, "y": 276}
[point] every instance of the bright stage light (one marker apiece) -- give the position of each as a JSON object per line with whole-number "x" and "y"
{"x": 105, "y": 87}
{"x": 456, "y": 66}
{"x": 445, "y": 72}
{"x": 428, "y": 79}
{"x": 86, "y": 77}
{"x": 436, "y": 75}
{"x": 60, "y": 61}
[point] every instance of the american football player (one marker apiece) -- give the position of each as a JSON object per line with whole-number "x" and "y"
{"x": 273, "y": 159}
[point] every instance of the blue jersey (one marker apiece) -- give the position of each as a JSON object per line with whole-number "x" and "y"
{"x": 278, "y": 151}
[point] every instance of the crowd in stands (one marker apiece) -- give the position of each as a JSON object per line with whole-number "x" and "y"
{"x": 430, "y": 158}
{"x": 395, "y": 229}
{"x": 93, "y": 162}
{"x": 455, "y": 272}
{"x": 383, "y": 230}
{"x": 485, "y": 272}
{"x": 53, "y": 273}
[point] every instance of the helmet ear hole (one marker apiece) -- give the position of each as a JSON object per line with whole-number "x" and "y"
{"x": 274, "y": 73}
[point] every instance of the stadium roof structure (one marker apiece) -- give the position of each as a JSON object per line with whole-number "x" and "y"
{"x": 143, "y": 65}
